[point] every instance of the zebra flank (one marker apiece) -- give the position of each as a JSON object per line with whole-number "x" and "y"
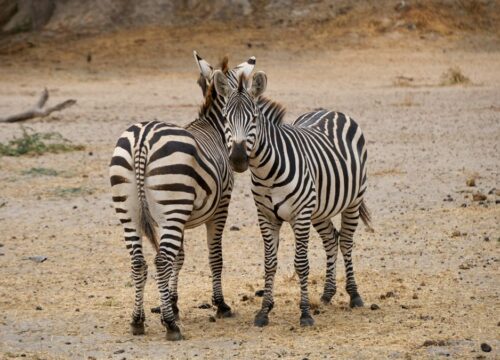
{"x": 166, "y": 179}
{"x": 302, "y": 173}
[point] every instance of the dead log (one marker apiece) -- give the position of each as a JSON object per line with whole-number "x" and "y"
{"x": 38, "y": 110}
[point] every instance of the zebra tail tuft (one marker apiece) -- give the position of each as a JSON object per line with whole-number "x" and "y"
{"x": 148, "y": 225}
{"x": 365, "y": 215}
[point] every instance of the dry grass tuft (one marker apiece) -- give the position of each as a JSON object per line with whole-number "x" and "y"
{"x": 454, "y": 76}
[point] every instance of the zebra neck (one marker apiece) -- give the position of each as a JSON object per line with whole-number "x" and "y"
{"x": 265, "y": 154}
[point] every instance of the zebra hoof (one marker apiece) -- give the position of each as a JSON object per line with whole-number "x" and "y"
{"x": 173, "y": 332}
{"x": 224, "y": 311}
{"x": 356, "y": 301}
{"x": 174, "y": 335}
{"x": 261, "y": 320}
{"x": 306, "y": 320}
{"x": 326, "y": 299}
{"x": 137, "y": 328}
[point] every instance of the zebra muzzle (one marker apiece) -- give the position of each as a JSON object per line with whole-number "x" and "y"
{"x": 238, "y": 157}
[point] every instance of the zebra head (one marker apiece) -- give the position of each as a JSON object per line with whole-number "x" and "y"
{"x": 207, "y": 71}
{"x": 241, "y": 113}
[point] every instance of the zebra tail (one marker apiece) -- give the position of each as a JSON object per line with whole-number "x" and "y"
{"x": 147, "y": 222}
{"x": 365, "y": 215}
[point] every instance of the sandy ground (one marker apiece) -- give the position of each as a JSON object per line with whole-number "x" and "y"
{"x": 432, "y": 264}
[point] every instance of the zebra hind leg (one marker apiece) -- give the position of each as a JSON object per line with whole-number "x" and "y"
{"x": 139, "y": 268}
{"x": 170, "y": 244}
{"x": 214, "y": 242}
{"x": 179, "y": 261}
{"x": 350, "y": 219}
{"x": 329, "y": 236}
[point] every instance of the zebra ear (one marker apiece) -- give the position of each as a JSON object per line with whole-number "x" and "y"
{"x": 206, "y": 70}
{"x": 221, "y": 84}
{"x": 259, "y": 84}
{"x": 245, "y": 68}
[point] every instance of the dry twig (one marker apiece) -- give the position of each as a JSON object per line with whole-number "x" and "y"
{"x": 38, "y": 110}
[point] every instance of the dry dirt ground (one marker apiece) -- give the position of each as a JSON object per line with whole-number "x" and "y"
{"x": 432, "y": 264}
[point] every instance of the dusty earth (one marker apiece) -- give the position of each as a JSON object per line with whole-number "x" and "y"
{"x": 432, "y": 264}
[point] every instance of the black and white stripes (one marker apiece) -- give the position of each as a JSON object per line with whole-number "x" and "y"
{"x": 166, "y": 179}
{"x": 303, "y": 174}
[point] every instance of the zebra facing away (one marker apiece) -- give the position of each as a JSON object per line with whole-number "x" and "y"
{"x": 166, "y": 179}
{"x": 304, "y": 174}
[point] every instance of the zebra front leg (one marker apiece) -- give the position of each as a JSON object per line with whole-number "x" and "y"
{"x": 329, "y": 235}
{"x": 270, "y": 234}
{"x": 170, "y": 245}
{"x": 301, "y": 228}
{"x": 214, "y": 242}
{"x": 350, "y": 218}
{"x": 179, "y": 261}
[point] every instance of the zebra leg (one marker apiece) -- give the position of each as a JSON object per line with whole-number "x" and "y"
{"x": 214, "y": 242}
{"x": 329, "y": 235}
{"x": 301, "y": 227}
{"x": 139, "y": 276}
{"x": 179, "y": 261}
{"x": 170, "y": 245}
{"x": 270, "y": 234}
{"x": 350, "y": 218}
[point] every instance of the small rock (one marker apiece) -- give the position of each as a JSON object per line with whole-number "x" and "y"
{"x": 456, "y": 233}
{"x": 77, "y": 310}
{"x": 68, "y": 343}
{"x": 485, "y": 347}
{"x": 1, "y": 245}
{"x": 479, "y": 197}
{"x": 211, "y": 318}
{"x": 464, "y": 205}
{"x": 39, "y": 308}
{"x": 37, "y": 258}
{"x": 316, "y": 312}
{"x": 486, "y": 238}
{"x": 204, "y": 306}
{"x": 374, "y": 307}
{"x": 156, "y": 310}
{"x": 414, "y": 297}
{"x": 234, "y": 228}
{"x": 245, "y": 298}
{"x": 471, "y": 182}
{"x": 121, "y": 351}
{"x": 434, "y": 343}
{"x": 91, "y": 153}
{"x": 259, "y": 293}
{"x": 292, "y": 328}
{"x": 406, "y": 307}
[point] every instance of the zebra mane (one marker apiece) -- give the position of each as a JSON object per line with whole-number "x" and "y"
{"x": 273, "y": 111}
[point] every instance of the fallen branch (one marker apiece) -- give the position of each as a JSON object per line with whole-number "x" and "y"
{"x": 38, "y": 110}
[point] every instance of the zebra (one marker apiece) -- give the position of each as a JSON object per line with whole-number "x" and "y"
{"x": 304, "y": 174}
{"x": 166, "y": 179}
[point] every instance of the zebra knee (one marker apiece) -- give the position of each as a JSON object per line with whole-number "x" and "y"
{"x": 139, "y": 266}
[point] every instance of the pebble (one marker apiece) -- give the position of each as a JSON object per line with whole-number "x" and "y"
{"x": 479, "y": 197}
{"x": 316, "y": 312}
{"x": 121, "y": 351}
{"x": 38, "y": 308}
{"x": 245, "y": 298}
{"x": 234, "y": 228}
{"x": 204, "y": 306}
{"x": 485, "y": 347}
{"x": 374, "y": 307}
{"x": 211, "y": 318}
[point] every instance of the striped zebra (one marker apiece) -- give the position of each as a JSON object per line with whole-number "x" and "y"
{"x": 166, "y": 179}
{"x": 304, "y": 174}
